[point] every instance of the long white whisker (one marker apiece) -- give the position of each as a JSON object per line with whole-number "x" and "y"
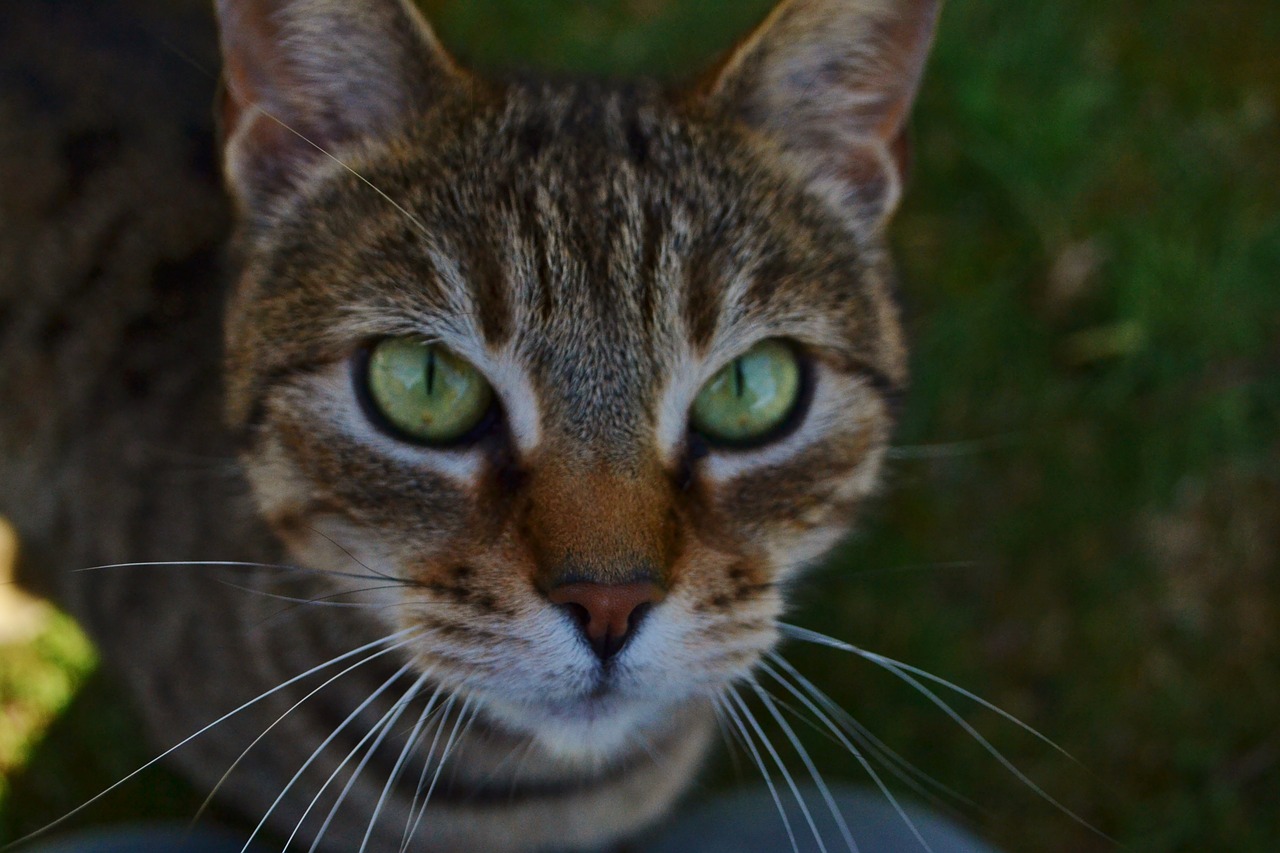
{"x": 517, "y": 754}
{"x": 808, "y": 763}
{"x": 444, "y": 757}
{"x": 53, "y": 825}
{"x": 383, "y": 728}
{"x": 729, "y": 738}
{"x": 373, "y": 731}
{"x": 903, "y": 771}
{"x": 228, "y": 564}
{"x": 526, "y": 752}
{"x": 410, "y": 745}
{"x": 316, "y": 753}
{"x": 854, "y": 751}
{"x": 409, "y": 824}
{"x": 241, "y": 564}
{"x": 782, "y": 768}
{"x": 947, "y": 449}
{"x": 764, "y": 771}
{"x": 823, "y": 640}
{"x": 989, "y": 747}
{"x": 905, "y": 674}
{"x": 208, "y": 800}
{"x": 867, "y": 574}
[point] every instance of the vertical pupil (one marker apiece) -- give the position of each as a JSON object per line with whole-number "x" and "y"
{"x": 431, "y": 372}
{"x": 737, "y": 377}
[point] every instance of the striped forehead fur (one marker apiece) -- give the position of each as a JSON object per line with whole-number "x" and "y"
{"x": 598, "y": 284}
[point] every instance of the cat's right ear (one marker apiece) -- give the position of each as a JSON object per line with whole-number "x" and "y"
{"x": 831, "y": 82}
{"x": 302, "y": 78}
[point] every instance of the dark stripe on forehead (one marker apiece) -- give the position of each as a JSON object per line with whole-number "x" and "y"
{"x": 490, "y": 285}
{"x": 727, "y": 249}
{"x": 597, "y": 237}
{"x": 703, "y": 297}
{"x": 651, "y": 239}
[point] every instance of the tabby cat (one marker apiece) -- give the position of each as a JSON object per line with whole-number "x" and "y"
{"x": 519, "y": 402}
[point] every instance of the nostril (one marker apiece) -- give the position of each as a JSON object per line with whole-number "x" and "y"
{"x": 638, "y": 614}
{"x": 577, "y": 612}
{"x": 608, "y": 614}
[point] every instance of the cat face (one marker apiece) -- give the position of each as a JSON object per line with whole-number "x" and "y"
{"x": 595, "y": 550}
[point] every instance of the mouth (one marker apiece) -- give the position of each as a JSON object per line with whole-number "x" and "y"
{"x": 601, "y": 704}
{"x": 589, "y": 727}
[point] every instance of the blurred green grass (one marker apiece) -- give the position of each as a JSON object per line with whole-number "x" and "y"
{"x": 1081, "y": 520}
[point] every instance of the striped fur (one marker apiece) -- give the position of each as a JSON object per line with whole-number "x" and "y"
{"x": 598, "y": 252}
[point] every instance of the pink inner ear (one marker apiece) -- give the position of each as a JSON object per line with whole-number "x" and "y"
{"x": 253, "y": 67}
{"x": 262, "y": 154}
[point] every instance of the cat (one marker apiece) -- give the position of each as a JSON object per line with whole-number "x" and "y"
{"x": 497, "y": 433}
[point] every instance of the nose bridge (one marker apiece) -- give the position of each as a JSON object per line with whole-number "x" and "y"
{"x": 598, "y": 523}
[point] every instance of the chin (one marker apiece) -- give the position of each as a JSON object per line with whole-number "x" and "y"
{"x": 591, "y": 730}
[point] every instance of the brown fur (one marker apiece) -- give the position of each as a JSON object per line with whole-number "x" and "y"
{"x": 598, "y": 252}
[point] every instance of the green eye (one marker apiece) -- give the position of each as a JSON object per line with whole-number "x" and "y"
{"x": 425, "y": 391}
{"x": 751, "y": 396}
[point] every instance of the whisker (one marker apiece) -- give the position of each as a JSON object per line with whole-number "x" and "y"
{"x": 381, "y": 729}
{"x": 409, "y": 824}
{"x": 901, "y": 769}
{"x": 316, "y": 754}
{"x": 905, "y": 673}
{"x": 493, "y": 772}
{"x": 409, "y": 747}
{"x": 648, "y": 747}
{"x": 764, "y": 770}
{"x": 346, "y": 655}
{"x": 279, "y": 616}
{"x": 240, "y": 564}
{"x": 444, "y": 757}
{"x": 866, "y": 765}
{"x": 421, "y": 226}
{"x": 526, "y": 752}
{"x": 319, "y": 601}
{"x": 823, "y": 640}
{"x": 357, "y": 560}
{"x": 728, "y": 740}
{"x": 768, "y": 702}
{"x": 782, "y": 768}
{"x": 222, "y": 780}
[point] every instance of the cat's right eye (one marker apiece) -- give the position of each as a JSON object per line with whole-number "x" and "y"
{"x": 425, "y": 392}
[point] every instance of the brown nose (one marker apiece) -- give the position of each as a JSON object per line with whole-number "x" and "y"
{"x": 607, "y": 613}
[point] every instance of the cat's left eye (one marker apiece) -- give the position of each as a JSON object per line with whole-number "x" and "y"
{"x": 425, "y": 392}
{"x": 752, "y": 398}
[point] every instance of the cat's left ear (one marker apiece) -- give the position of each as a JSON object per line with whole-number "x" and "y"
{"x": 832, "y": 83}
{"x": 304, "y": 77}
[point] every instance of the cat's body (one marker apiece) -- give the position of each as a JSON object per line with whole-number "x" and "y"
{"x": 598, "y": 252}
